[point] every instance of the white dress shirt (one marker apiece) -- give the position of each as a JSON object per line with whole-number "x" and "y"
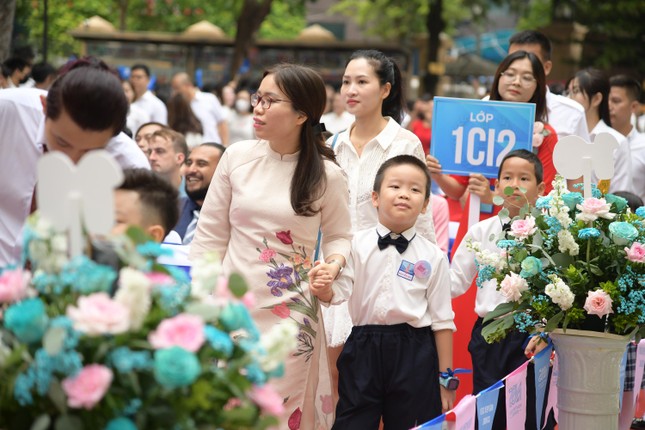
{"x": 136, "y": 118}
{"x": 210, "y": 113}
{"x": 155, "y": 108}
{"x": 463, "y": 269}
{"x": 382, "y": 287}
{"x": 602, "y": 127}
{"x": 337, "y": 123}
{"x": 566, "y": 116}
{"x": 629, "y": 165}
{"x": 22, "y": 126}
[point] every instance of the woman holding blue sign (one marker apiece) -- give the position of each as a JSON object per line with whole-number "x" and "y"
{"x": 372, "y": 91}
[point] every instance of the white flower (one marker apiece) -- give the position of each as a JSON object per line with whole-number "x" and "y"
{"x": 278, "y": 343}
{"x": 566, "y": 243}
{"x": 59, "y": 244}
{"x": 205, "y": 274}
{"x": 512, "y": 287}
{"x": 563, "y": 217}
{"x": 592, "y": 208}
{"x": 134, "y": 294}
{"x": 559, "y": 292}
{"x": 486, "y": 257}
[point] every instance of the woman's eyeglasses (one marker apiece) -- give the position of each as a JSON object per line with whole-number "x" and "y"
{"x": 264, "y": 101}
{"x": 525, "y": 80}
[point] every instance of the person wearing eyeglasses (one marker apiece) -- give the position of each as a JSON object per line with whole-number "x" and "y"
{"x": 269, "y": 202}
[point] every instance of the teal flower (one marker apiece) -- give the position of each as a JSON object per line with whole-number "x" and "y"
{"x": 531, "y": 266}
{"x": 622, "y": 233}
{"x": 121, "y": 423}
{"x": 175, "y": 367}
{"x": 619, "y": 202}
{"x": 221, "y": 342}
{"x": 572, "y": 199}
{"x": 640, "y": 211}
{"x": 27, "y": 320}
{"x": 86, "y": 276}
{"x": 588, "y": 233}
{"x": 236, "y": 316}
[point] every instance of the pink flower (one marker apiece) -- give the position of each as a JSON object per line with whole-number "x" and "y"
{"x": 512, "y": 286}
{"x": 327, "y": 403}
{"x": 88, "y": 387}
{"x": 248, "y": 299}
{"x": 294, "y": 420}
{"x": 284, "y": 237}
{"x": 157, "y": 278}
{"x": 281, "y": 310}
{"x": 636, "y": 253}
{"x": 598, "y": 303}
{"x": 267, "y": 254}
{"x": 268, "y": 399}
{"x": 184, "y": 330}
{"x": 593, "y": 208}
{"x": 98, "y": 314}
{"x": 523, "y": 228}
{"x": 13, "y": 285}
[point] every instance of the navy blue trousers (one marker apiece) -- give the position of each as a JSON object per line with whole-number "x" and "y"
{"x": 390, "y": 372}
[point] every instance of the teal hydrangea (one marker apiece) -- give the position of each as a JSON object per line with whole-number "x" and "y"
{"x": 86, "y": 276}
{"x": 121, "y": 423}
{"x": 220, "y": 341}
{"x": 175, "y": 367}
{"x": 27, "y": 320}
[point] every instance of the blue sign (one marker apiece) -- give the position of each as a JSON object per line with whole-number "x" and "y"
{"x": 473, "y": 136}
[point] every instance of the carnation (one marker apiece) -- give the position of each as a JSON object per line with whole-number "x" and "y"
{"x": 559, "y": 292}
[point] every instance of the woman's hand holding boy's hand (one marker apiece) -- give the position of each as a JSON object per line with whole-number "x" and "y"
{"x": 447, "y": 399}
{"x": 433, "y": 165}
{"x": 321, "y": 279}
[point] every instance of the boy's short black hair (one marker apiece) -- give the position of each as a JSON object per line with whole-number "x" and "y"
{"x": 143, "y": 67}
{"x": 631, "y": 85}
{"x": 156, "y": 194}
{"x": 532, "y": 37}
{"x": 398, "y": 161}
{"x": 41, "y": 71}
{"x": 528, "y": 156}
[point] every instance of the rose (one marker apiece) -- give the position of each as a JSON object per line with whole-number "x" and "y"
{"x": 284, "y": 237}
{"x": 636, "y": 253}
{"x": 184, "y": 330}
{"x": 267, "y": 254}
{"x": 572, "y": 200}
{"x": 121, "y": 423}
{"x": 88, "y": 387}
{"x": 98, "y": 314}
{"x": 13, "y": 285}
{"x": 523, "y": 228}
{"x": 236, "y": 316}
{"x": 512, "y": 286}
{"x": 175, "y": 367}
{"x": 267, "y": 398}
{"x": 281, "y": 310}
{"x": 531, "y": 266}
{"x": 622, "y": 233}
{"x": 220, "y": 341}
{"x": 593, "y": 208}
{"x": 598, "y": 303}
{"x": 619, "y": 202}
{"x": 27, "y": 320}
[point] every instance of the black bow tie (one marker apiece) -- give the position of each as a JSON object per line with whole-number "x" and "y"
{"x": 506, "y": 226}
{"x": 400, "y": 243}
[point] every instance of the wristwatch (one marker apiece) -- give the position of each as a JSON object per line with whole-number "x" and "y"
{"x": 450, "y": 383}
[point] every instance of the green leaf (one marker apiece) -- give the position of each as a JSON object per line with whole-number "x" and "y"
{"x": 562, "y": 259}
{"x": 237, "y": 285}
{"x": 208, "y": 312}
{"x": 501, "y": 309}
{"x": 498, "y": 200}
{"x": 497, "y": 329}
{"x": 68, "y": 422}
{"x": 504, "y": 213}
{"x": 54, "y": 340}
{"x": 596, "y": 270}
{"x": 137, "y": 235}
{"x": 524, "y": 211}
{"x": 57, "y": 396}
{"x": 553, "y": 323}
{"x": 523, "y": 190}
{"x": 508, "y": 191}
{"x": 42, "y": 423}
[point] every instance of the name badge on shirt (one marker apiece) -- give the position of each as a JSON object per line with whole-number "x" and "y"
{"x": 423, "y": 269}
{"x": 406, "y": 270}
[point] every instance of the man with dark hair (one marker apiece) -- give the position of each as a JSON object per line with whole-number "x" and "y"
{"x": 18, "y": 71}
{"x": 629, "y": 159}
{"x": 84, "y": 110}
{"x": 43, "y": 75}
{"x": 143, "y": 97}
{"x": 566, "y": 116}
{"x": 200, "y": 167}
{"x": 145, "y": 200}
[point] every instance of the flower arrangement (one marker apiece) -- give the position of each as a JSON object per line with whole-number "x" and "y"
{"x": 138, "y": 346}
{"x": 568, "y": 262}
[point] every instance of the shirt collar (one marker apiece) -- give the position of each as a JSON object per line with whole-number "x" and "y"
{"x": 385, "y": 138}
{"x": 408, "y": 234}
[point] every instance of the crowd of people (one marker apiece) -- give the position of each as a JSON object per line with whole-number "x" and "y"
{"x": 302, "y": 188}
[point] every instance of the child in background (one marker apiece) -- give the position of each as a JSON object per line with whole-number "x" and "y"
{"x": 492, "y": 362}
{"x": 400, "y": 306}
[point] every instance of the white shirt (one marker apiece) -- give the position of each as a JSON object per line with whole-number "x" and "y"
{"x": 602, "y": 127}
{"x": 155, "y": 108}
{"x": 22, "y": 140}
{"x": 566, "y": 116}
{"x": 209, "y": 111}
{"x": 392, "y": 141}
{"x": 240, "y": 127}
{"x": 383, "y": 288}
{"x": 629, "y": 165}
{"x": 337, "y": 123}
{"x": 463, "y": 269}
{"x": 136, "y": 118}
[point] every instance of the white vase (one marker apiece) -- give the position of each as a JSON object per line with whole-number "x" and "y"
{"x": 588, "y": 379}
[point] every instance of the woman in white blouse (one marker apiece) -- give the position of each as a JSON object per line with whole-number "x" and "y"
{"x": 372, "y": 92}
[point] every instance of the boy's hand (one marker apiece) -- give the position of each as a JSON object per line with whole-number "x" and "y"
{"x": 535, "y": 345}
{"x": 447, "y": 399}
{"x": 320, "y": 281}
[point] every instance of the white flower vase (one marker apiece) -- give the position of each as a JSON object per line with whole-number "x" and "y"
{"x": 588, "y": 379}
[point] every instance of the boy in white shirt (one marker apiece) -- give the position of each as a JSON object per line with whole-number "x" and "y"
{"x": 400, "y": 350}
